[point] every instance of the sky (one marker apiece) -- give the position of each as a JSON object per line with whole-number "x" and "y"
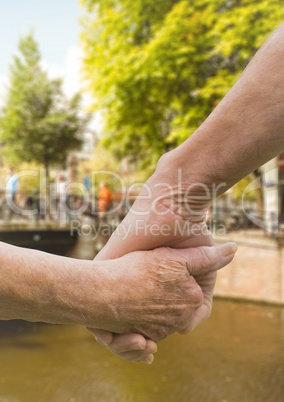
{"x": 56, "y": 29}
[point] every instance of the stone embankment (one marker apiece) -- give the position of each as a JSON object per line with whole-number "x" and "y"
{"x": 257, "y": 271}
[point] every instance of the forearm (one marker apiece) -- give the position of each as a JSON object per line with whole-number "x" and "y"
{"x": 37, "y": 286}
{"x": 247, "y": 127}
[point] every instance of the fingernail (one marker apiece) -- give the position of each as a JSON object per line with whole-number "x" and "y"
{"x": 139, "y": 346}
{"x": 228, "y": 249}
{"x": 149, "y": 359}
{"x": 101, "y": 341}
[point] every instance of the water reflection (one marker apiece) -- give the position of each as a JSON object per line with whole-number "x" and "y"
{"x": 238, "y": 355}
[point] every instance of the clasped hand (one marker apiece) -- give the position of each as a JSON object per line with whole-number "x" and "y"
{"x": 165, "y": 201}
{"x": 156, "y": 294}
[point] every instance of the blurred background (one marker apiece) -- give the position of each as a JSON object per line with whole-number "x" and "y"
{"x": 92, "y": 93}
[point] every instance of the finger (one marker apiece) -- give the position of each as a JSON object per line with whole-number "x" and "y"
{"x": 202, "y": 239}
{"x": 200, "y": 315}
{"x": 150, "y": 348}
{"x": 148, "y": 359}
{"x": 130, "y": 356}
{"x": 132, "y": 342}
{"x": 118, "y": 343}
{"x": 102, "y": 337}
{"x": 201, "y": 260}
{"x": 126, "y": 239}
{"x": 127, "y": 342}
{"x": 143, "y": 356}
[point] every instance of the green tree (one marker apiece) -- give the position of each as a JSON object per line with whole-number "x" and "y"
{"x": 38, "y": 123}
{"x": 157, "y": 68}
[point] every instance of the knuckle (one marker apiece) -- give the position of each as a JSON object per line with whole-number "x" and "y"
{"x": 192, "y": 292}
{"x": 195, "y": 297}
{"x": 160, "y": 334}
{"x": 208, "y": 256}
{"x": 163, "y": 161}
{"x": 182, "y": 320}
{"x": 204, "y": 257}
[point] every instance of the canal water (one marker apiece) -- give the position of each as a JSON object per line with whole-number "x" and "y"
{"x": 236, "y": 356}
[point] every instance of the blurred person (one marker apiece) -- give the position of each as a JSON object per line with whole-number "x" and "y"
{"x": 12, "y": 185}
{"x": 11, "y": 192}
{"x": 87, "y": 180}
{"x": 91, "y": 207}
{"x": 61, "y": 194}
{"x": 104, "y": 200}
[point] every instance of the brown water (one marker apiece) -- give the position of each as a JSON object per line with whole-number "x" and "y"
{"x": 236, "y": 356}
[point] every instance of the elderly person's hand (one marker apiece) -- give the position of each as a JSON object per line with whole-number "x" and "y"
{"x": 149, "y": 293}
{"x": 169, "y": 211}
{"x": 156, "y": 293}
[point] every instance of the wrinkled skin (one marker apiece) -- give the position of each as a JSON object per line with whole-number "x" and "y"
{"x": 155, "y": 291}
{"x": 169, "y": 207}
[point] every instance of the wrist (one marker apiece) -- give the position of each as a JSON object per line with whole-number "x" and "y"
{"x": 195, "y": 165}
{"x": 49, "y": 288}
{"x": 83, "y": 296}
{"x": 190, "y": 187}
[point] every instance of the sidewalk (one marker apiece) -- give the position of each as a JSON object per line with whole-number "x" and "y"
{"x": 257, "y": 271}
{"x": 252, "y": 237}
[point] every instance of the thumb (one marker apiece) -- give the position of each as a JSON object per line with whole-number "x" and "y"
{"x": 200, "y": 260}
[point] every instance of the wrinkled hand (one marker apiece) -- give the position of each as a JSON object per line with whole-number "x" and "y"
{"x": 156, "y": 294}
{"x": 169, "y": 211}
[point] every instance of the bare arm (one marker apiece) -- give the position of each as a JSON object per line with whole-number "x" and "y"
{"x": 243, "y": 132}
{"x": 37, "y": 286}
{"x": 142, "y": 292}
{"x": 246, "y": 129}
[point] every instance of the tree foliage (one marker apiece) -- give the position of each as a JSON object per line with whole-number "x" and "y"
{"x": 38, "y": 123}
{"x": 157, "y": 68}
